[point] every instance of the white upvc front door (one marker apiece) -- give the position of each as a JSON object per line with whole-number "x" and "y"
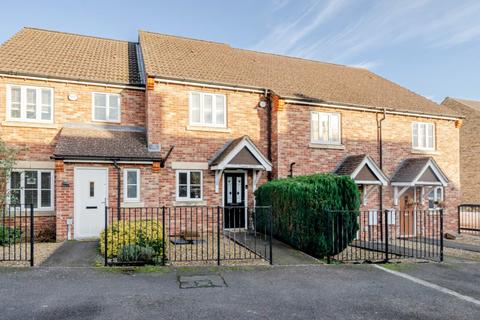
{"x": 90, "y": 185}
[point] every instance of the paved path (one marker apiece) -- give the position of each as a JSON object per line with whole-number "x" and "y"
{"x": 73, "y": 254}
{"x": 301, "y": 292}
{"x": 282, "y": 253}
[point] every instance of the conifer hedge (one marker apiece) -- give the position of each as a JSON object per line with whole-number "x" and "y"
{"x": 304, "y": 209}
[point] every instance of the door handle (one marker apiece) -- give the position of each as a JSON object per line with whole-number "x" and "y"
{"x": 92, "y": 207}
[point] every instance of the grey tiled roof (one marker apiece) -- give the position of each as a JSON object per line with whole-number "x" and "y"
{"x": 80, "y": 143}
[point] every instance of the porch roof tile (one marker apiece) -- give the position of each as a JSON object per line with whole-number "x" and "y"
{"x": 82, "y": 143}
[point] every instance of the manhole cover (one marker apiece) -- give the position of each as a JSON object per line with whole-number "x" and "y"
{"x": 203, "y": 281}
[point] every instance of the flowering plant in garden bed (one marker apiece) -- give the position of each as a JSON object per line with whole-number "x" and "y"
{"x": 131, "y": 240}
{"x": 9, "y": 235}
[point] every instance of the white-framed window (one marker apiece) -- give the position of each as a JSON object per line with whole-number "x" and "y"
{"x": 29, "y": 104}
{"x": 189, "y": 185}
{"x": 106, "y": 107}
{"x": 131, "y": 185}
{"x": 31, "y": 187}
{"x": 435, "y": 196}
{"x": 423, "y": 136}
{"x": 325, "y": 128}
{"x": 207, "y": 109}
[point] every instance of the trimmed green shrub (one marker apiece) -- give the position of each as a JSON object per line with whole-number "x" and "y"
{"x": 136, "y": 253}
{"x": 145, "y": 233}
{"x": 305, "y": 208}
{"x": 9, "y": 235}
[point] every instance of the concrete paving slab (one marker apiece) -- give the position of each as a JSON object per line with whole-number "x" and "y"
{"x": 73, "y": 254}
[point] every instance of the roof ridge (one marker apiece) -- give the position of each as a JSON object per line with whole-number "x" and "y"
{"x": 75, "y": 34}
{"x": 184, "y": 37}
{"x": 462, "y": 99}
{"x": 255, "y": 51}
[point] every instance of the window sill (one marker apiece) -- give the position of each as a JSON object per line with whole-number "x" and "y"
{"x": 132, "y": 205}
{"x": 195, "y": 203}
{"x": 326, "y": 146}
{"x": 29, "y": 124}
{"x": 418, "y": 151}
{"x": 208, "y": 129}
{"x": 107, "y": 121}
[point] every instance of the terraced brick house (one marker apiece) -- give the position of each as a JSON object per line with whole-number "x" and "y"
{"x": 179, "y": 121}
{"x": 469, "y": 146}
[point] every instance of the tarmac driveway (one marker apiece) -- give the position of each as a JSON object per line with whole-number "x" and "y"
{"x": 301, "y": 292}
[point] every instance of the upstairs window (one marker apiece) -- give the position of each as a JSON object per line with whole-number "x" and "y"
{"x": 325, "y": 128}
{"x": 30, "y": 104}
{"x": 106, "y": 107}
{"x": 423, "y": 136}
{"x": 208, "y": 110}
{"x": 132, "y": 185}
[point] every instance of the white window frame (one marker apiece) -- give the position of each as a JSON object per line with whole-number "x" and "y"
{"x": 437, "y": 196}
{"x": 125, "y": 185}
{"x": 108, "y": 95}
{"x": 187, "y": 198}
{"x": 329, "y": 114}
{"x": 23, "y": 104}
{"x": 372, "y": 217}
{"x": 39, "y": 188}
{"x": 202, "y": 115}
{"x": 426, "y": 125}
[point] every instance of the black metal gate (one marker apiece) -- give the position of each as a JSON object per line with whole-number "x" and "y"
{"x": 392, "y": 234}
{"x": 16, "y": 233}
{"x": 469, "y": 218}
{"x": 186, "y": 234}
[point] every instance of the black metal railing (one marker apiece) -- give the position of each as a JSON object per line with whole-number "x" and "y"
{"x": 392, "y": 234}
{"x": 469, "y": 219}
{"x": 186, "y": 234}
{"x": 16, "y": 233}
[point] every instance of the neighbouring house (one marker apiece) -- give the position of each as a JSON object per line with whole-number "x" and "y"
{"x": 184, "y": 122}
{"x": 469, "y": 147}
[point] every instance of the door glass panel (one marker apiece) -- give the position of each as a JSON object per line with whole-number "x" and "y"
{"x": 92, "y": 189}
{"x": 239, "y": 189}
{"x": 229, "y": 190}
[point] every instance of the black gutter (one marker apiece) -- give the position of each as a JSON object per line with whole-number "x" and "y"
{"x": 46, "y": 77}
{"x": 93, "y": 158}
{"x": 268, "y": 97}
{"x": 380, "y": 156}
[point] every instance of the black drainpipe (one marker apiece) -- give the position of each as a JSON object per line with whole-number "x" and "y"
{"x": 380, "y": 154}
{"x": 268, "y": 97}
{"x": 115, "y": 164}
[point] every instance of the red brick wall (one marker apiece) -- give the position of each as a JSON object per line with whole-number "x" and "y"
{"x": 64, "y": 184}
{"x": 359, "y": 135}
{"x": 41, "y": 138}
{"x": 168, "y": 124}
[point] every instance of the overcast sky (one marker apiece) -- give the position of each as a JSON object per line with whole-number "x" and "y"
{"x": 431, "y": 47}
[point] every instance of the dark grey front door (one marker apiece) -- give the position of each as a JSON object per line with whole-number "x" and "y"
{"x": 234, "y": 216}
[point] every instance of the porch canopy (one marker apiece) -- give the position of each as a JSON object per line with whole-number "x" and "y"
{"x": 102, "y": 143}
{"x": 417, "y": 172}
{"x": 363, "y": 169}
{"x": 240, "y": 153}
